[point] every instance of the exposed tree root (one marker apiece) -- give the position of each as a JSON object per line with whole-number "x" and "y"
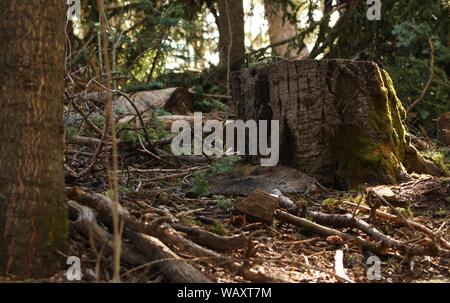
{"x": 153, "y": 240}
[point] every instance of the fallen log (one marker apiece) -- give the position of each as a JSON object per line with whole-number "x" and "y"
{"x": 177, "y": 100}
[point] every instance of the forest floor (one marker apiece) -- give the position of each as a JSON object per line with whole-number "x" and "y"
{"x": 176, "y": 192}
{"x": 181, "y": 221}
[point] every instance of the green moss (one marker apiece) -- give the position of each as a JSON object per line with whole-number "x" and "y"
{"x": 379, "y": 154}
{"x": 440, "y": 160}
{"x": 200, "y": 186}
{"x": 218, "y": 229}
{"x": 330, "y": 202}
{"x": 359, "y": 158}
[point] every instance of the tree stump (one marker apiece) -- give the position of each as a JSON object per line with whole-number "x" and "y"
{"x": 340, "y": 121}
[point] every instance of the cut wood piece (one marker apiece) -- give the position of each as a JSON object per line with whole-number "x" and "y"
{"x": 246, "y": 179}
{"x": 177, "y": 100}
{"x": 259, "y": 205}
{"x": 340, "y": 121}
{"x": 383, "y": 191}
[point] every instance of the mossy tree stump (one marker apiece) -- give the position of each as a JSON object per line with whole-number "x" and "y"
{"x": 340, "y": 121}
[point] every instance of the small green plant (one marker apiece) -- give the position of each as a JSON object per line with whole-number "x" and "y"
{"x": 330, "y": 202}
{"x": 359, "y": 199}
{"x": 99, "y": 121}
{"x": 224, "y": 203}
{"x": 71, "y": 132}
{"x": 406, "y": 212}
{"x": 123, "y": 190}
{"x": 156, "y": 133}
{"x": 440, "y": 213}
{"x": 217, "y": 228}
{"x": 161, "y": 112}
{"x": 223, "y": 165}
{"x": 129, "y": 137}
{"x": 441, "y": 159}
{"x": 200, "y": 186}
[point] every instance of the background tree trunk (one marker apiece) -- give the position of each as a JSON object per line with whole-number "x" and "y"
{"x": 231, "y": 45}
{"x": 340, "y": 121}
{"x": 33, "y": 215}
{"x": 282, "y": 27}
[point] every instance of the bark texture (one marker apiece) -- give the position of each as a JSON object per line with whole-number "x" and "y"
{"x": 33, "y": 214}
{"x": 340, "y": 121}
{"x": 231, "y": 37}
{"x": 282, "y": 27}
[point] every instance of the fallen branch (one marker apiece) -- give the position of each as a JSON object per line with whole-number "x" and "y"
{"x": 326, "y": 231}
{"x": 348, "y": 220}
{"x": 398, "y": 220}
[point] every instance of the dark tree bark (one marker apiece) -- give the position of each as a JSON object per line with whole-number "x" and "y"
{"x": 340, "y": 121}
{"x": 231, "y": 44}
{"x": 33, "y": 213}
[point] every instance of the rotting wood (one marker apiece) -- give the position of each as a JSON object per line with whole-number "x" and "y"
{"x": 258, "y": 205}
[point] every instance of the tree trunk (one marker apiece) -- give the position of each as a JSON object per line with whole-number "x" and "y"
{"x": 231, "y": 44}
{"x": 281, "y": 27}
{"x": 33, "y": 213}
{"x": 340, "y": 121}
